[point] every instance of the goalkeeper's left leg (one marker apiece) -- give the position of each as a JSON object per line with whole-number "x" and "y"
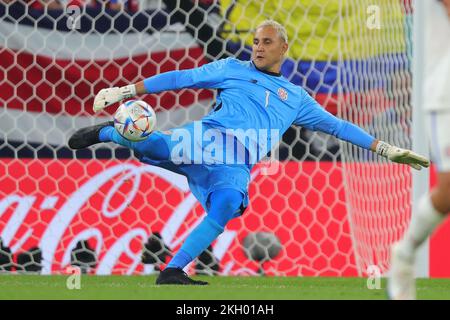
{"x": 225, "y": 205}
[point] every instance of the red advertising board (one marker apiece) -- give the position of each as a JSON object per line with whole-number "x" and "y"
{"x": 116, "y": 205}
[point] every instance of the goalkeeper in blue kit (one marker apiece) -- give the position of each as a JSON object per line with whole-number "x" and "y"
{"x": 252, "y": 97}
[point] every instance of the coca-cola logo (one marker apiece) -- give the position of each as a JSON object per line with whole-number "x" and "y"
{"x": 115, "y": 206}
{"x": 113, "y": 198}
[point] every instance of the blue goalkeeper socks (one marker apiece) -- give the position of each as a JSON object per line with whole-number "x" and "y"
{"x": 105, "y": 134}
{"x": 154, "y": 147}
{"x": 224, "y": 206}
{"x": 180, "y": 260}
{"x": 110, "y": 134}
{"x": 197, "y": 242}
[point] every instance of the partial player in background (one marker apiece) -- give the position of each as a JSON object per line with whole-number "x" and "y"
{"x": 434, "y": 206}
{"x": 252, "y": 95}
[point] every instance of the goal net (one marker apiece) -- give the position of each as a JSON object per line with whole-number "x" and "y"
{"x": 329, "y": 208}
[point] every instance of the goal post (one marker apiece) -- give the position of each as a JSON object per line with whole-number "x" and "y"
{"x": 419, "y": 137}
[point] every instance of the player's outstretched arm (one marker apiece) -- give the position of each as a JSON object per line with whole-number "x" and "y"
{"x": 210, "y": 75}
{"x": 400, "y": 155}
{"x": 312, "y": 116}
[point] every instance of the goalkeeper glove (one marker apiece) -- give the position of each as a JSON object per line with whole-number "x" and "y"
{"x": 400, "y": 155}
{"x": 106, "y": 97}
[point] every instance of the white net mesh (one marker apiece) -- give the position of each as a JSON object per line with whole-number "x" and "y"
{"x": 377, "y": 97}
{"x": 331, "y": 209}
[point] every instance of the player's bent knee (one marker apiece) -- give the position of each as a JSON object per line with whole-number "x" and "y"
{"x": 230, "y": 200}
{"x": 224, "y": 204}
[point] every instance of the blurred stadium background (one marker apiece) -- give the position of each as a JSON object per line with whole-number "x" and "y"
{"x": 330, "y": 210}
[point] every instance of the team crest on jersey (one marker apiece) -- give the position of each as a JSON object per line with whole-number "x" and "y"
{"x": 282, "y": 93}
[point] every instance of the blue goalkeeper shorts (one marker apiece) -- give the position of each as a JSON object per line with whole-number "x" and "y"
{"x": 215, "y": 171}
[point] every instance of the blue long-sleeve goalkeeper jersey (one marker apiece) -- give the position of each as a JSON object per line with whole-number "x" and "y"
{"x": 250, "y": 100}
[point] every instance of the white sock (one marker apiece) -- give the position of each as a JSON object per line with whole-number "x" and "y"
{"x": 423, "y": 222}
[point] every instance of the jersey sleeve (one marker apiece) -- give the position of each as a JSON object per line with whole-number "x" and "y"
{"x": 314, "y": 117}
{"x": 208, "y": 76}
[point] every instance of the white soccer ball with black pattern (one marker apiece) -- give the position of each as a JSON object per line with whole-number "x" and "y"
{"x": 135, "y": 120}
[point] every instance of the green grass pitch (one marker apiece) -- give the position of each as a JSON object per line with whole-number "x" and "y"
{"x": 220, "y": 288}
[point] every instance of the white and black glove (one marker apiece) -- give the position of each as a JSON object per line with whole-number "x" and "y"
{"x": 106, "y": 97}
{"x": 400, "y": 155}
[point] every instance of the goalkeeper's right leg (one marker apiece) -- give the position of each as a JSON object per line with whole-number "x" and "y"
{"x": 155, "y": 147}
{"x": 88, "y": 136}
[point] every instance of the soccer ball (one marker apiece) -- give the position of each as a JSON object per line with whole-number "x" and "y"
{"x": 135, "y": 120}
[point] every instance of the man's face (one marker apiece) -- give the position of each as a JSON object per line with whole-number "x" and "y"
{"x": 268, "y": 49}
